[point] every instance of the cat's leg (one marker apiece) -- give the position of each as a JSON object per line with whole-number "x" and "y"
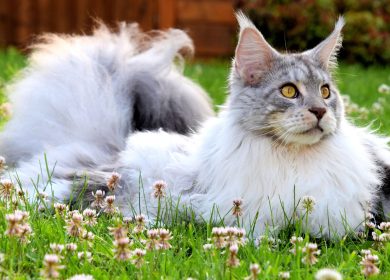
{"x": 53, "y": 172}
{"x": 37, "y": 180}
{"x": 131, "y": 199}
{"x": 384, "y": 193}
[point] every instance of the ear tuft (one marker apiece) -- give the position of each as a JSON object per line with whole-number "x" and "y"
{"x": 244, "y": 21}
{"x": 253, "y": 54}
{"x": 326, "y": 52}
{"x": 339, "y": 24}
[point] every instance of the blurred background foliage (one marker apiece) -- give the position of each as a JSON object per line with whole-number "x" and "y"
{"x": 299, "y": 25}
{"x": 292, "y": 25}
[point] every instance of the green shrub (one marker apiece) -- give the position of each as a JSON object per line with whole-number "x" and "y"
{"x": 299, "y": 25}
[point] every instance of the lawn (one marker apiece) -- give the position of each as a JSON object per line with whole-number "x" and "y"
{"x": 187, "y": 258}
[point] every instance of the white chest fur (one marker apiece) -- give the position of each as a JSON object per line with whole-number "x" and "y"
{"x": 223, "y": 163}
{"x": 339, "y": 173}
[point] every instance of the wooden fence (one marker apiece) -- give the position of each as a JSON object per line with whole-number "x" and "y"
{"x": 210, "y": 23}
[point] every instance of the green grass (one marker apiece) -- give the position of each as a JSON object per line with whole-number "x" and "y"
{"x": 11, "y": 61}
{"x": 213, "y": 76}
{"x": 187, "y": 258}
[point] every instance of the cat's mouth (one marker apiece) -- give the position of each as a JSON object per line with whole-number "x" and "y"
{"x": 312, "y": 130}
{"x": 302, "y": 135}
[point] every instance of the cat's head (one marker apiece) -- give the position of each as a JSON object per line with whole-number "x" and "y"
{"x": 289, "y": 97}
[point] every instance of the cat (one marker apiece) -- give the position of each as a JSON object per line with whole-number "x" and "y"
{"x": 281, "y": 135}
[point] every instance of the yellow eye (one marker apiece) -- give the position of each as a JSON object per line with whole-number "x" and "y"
{"x": 289, "y": 91}
{"x": 325, "y": 92}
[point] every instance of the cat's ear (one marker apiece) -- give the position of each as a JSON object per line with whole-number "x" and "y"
{"x": 326, "y": 52}
{"x": 253, "y": 54}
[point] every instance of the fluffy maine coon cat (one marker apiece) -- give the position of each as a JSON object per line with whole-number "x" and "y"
{"x": 282, "y": 135}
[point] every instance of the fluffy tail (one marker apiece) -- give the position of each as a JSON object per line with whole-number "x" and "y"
{"x": 81, "y": 96}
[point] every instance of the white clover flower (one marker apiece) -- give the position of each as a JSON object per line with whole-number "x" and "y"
{"x": 90, "y": 217}
{"x": 328, "y": 274}
{"x": 42, "y": 196}
{"x": 153, "y": 240}
{"x": 74, "y": 225}
{"x": 361, "y": 234}
{"x": 61, "y": 209}
{"x": 122, "y": 250}
{"x": 369, "y": 265}
{"x": 254, "y": 271}
{"x": 81, "y": 277}
{"x": 57, "y": 248}
{"x": 87, "y": 235}
{"x": 165, "y": 236}
{"x": 307, "y": 203}
{"x": 385, "y": 227}
{"x": 99, "y": 199}
{"x": 370, "y": 225}
{"x": 128, "y": 220}
{"x": 6, "y": 188}
{"x": 284, "y": 275}
{"x": 159, "y": 188}
{"x": 237, "y": 207}
{"x": 140, "y": 221}
{"x": 377, "y": 108}
{"x": 310, "y": 252}
{"x": 295, "y": 241}
{"x": 352, "y": 108}
{"x": 363, "y": 111}
{"x": 113, "y": 181}
{"x": 384, "y": 89}
{"x": 383, "y": 237}
{"x": 85, "y": 256}
{"x": 118, "y": 231}
{"x": 110, "y": 208}
{"x": 6, "y": 109}
{"x": 218, "y": 235}
{"x": 233, "y": 260}
{"x": 51, "y": 266}
{"x": 2, "y": 163}
{"x": 365, "y": 252}
{"x": 138, "y": 257}
{"x": 14, "y": 220}
{"x": 71, "y": 247}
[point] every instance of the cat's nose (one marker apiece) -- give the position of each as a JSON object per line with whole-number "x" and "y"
{"x": 319, "y": 112}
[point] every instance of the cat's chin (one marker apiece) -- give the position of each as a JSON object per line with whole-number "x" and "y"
{"x": 308, "y": 137}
